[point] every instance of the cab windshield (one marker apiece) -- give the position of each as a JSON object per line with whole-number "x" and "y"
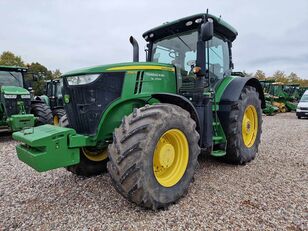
{"x": 179, "y": 50}
{"x": 11, "y": 78}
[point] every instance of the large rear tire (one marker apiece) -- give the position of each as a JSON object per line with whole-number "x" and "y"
{"x": 154, "y": 154}
{"x": 43, "y": 114}
{"x": 92, "y": 161}
{"x": 244, "y": 130}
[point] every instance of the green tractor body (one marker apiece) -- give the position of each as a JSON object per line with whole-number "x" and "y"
{"x": 18, "y": 110}
{"x": 15, "y": 102}
{"x": 154, "y": 117}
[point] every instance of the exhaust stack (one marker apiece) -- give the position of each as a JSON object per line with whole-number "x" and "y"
{"x": 134, "y": 42}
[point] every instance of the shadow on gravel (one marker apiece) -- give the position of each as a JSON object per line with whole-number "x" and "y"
{"x": 5, "y": 136}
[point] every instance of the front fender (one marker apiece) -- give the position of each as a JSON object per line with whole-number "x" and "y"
{"x": 114, "y": 113}
{"x": 180, "y": 101}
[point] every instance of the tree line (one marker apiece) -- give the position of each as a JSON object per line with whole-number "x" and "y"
{"x": 10, "y": 59}
{"x": 280, "y": 76}
{"x": 37, "y": 69}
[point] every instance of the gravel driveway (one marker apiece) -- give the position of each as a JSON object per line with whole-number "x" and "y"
{"x": 270, "y": 193}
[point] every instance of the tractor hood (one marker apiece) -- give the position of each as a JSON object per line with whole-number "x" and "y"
{"x": 12, "y": 90}
{"x": 122, "y": 67}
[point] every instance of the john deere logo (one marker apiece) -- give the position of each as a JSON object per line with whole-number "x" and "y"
{"x": 66, "y": 99}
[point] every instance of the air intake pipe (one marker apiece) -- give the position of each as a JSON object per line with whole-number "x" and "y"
{"x": 134, "y": 42}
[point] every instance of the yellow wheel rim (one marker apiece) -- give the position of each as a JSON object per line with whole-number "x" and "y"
{"x": 250, "y": 126}
{"x": 170, "y": 158}
{"x": 56, "y": 120}
{"x": 95, "y": 155}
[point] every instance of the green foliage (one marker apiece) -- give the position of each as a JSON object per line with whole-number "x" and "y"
{"x": 260, "y": 75}
{"x": 40, "y": 73}
{"x": 56, "y": 74}
{"x": 7, "y": 58}
{"x": 35, "y": 71}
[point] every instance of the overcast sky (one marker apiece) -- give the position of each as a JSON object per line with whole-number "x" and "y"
{"x": 72, "y": 34}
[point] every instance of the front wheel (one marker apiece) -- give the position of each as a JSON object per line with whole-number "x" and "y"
{"x": 244, "y": 129}
{"x": 153, "y": 156}
{"x": 93, "y": 161}
{"x": 57, "y": 115}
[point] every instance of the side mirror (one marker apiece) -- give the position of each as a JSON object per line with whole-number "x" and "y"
{"x": 207, "y": 31}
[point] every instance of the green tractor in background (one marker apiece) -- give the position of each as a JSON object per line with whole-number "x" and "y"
{"x": 53, "y": 98}
{"x": 281, "y": 98}
{"x": 292, "y": 90}
{"x": 269, "y": 109}
{"x": 147, "y": 122}
{"x": 17, "y": 110}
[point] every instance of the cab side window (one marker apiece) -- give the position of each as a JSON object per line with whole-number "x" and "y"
{"x": 219, "y": 59}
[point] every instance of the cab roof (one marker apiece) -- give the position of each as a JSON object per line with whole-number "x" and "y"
{"x": 177, "y": 26}
{"x": 12, "y": 68}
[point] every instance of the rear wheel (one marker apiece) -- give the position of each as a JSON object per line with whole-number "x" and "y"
{"x": 43, "y": 114}
{"x": 154, "y": 154}
{"x": 93, "y": 161}
{"x": 57, "y": 115}
{"x": 244, "y": 130}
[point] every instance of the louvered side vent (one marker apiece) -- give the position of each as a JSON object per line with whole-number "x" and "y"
{"x": 139, "y": 81}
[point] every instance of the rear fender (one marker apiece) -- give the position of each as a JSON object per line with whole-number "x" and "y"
{"x": 234, "y": 88}
{"x": 41, "y": 99}
{"x": 232, "y": 93}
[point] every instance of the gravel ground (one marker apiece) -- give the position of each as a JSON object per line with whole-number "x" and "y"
{"x": 270, "y": 193}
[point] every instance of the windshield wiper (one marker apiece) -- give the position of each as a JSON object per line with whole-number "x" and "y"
{"x": 184, "y": 43}
{"x": 15, "y": 77}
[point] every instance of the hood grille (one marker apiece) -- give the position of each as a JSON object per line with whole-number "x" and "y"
{"x": 139, "y": 82}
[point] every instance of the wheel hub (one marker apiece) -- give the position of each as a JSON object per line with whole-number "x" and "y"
{"x": 249, "y": 126}
{"x": 170, "y": 157}
{"x": 166, "y": 155}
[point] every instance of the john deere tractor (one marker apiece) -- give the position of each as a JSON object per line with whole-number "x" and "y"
{"x": 17, "y": 110}
{"x": 147, "y": 122}
{"x": 53, "y": 98}
{"x": 269, "y": 109}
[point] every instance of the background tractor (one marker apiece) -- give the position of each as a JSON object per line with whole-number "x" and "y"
{"x": 147, "y": 122}
{"x": 17, "y": 110}
{"x": 53, "y": 98}
{"x": 269, "y": 109}
{"x": 283, "y": 96}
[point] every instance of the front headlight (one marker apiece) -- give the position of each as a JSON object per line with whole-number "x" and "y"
{"x": 82, "y": 79}
{"x": 10, "y": 96}
{"x": 25, "y": 96}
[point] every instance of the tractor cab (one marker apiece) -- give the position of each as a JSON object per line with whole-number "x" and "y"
{"x": 53, "y": 90}
{"x": 197, "y": 45}
{"x": 12, "y": 76}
